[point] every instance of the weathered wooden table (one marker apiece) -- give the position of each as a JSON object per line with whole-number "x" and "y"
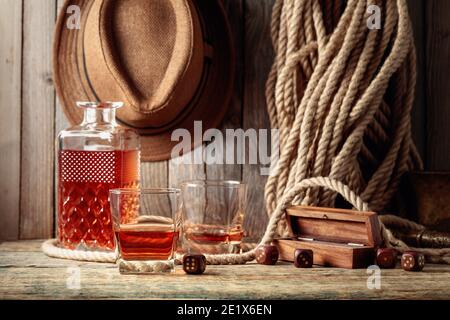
{"x": 26, "y": 273}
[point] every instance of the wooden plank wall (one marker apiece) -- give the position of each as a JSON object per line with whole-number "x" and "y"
{"x": 437, "y": 53}
{"x": 10, "y": 116}
{"x": 31, "y": 117}
{"x": 38, "y": 121}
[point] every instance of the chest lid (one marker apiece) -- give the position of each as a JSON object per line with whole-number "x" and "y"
{"x": 334, "y": 225}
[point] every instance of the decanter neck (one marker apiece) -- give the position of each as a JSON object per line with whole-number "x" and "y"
{"x": 99, "y": 116}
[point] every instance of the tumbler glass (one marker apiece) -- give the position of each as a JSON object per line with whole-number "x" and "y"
{"x": 147, "y": 224}
{"x": 213, "y": 215}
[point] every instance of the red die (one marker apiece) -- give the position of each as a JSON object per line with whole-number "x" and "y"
{"x": 386, "y": 258}
{"x": 267, "y": 254}
{"x": 194, "y": 263}
{"x": 413, "y": 261}
{"x": 303, "y": 258}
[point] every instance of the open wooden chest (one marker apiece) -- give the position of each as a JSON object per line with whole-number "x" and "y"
{"x": 338, "y": 237}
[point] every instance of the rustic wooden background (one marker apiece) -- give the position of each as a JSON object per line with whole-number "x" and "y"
{"x": 30, "y": 116}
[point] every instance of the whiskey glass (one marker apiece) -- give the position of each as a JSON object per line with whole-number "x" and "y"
{"x": 147, "y": 224}
{"x": 213, "y": 214}
{"x": 93, "y": 157}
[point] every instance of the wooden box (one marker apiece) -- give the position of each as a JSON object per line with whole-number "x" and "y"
{"x": 338, "y": 237}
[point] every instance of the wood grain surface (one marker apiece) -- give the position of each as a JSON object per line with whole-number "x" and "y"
{"x": 258, "y": 60}
{"x": 233, "y": 117}
{"x": 10, "y": 118}
{"x": 26, "y": 273}
{"x": 38, "y": 121}
{"x": 437, "y": 90}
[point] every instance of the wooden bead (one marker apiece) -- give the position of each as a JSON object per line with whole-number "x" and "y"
{"x": 194, "y": 263}
{"x": 413, "y": 261}
{"x": 386, "y": 258}
{"x": 267, "y": 254}
{"x": 303, "y": 258}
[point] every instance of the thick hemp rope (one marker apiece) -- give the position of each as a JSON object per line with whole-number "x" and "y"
{"x": 341, "y": 96}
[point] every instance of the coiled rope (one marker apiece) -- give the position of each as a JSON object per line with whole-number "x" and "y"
{"x": 341, "y": 96}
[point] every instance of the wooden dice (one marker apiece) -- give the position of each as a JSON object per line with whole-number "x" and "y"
{"x": 194, "y": 263}
{"x": 267, "y": 254}
{"x": 413, "y": 261}
{"x": 386, "y": 258}
{"x": 303, "y": 258}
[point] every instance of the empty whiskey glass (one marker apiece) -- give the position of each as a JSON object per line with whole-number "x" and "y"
{"x": 147, "y": 225}
{"x": 213, "y": 215}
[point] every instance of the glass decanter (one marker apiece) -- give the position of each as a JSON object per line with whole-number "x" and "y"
{"x": 93, "y": 157}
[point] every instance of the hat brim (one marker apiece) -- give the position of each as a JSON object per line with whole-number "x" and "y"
{"x": 209, "y": 104}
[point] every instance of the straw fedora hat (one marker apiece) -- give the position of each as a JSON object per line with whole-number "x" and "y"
{"x": 170, "y": 61}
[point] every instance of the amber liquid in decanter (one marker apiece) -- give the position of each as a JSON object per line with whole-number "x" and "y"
{"x": 85, "y": 178}
{"x": 94, "y": 157}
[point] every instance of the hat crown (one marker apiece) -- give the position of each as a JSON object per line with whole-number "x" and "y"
{"x": 141, "y": 52}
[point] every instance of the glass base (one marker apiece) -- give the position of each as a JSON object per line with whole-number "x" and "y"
{"x": 146, "y": 266}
